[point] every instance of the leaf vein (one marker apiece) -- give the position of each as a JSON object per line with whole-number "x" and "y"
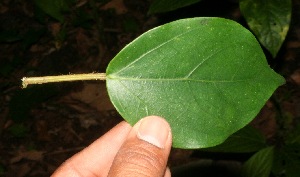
{"x": 140, "y": 100}
{"x": 153, "y": 49}
{"x": 201, "y": 63}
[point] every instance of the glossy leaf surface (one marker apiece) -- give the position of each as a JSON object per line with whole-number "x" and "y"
{"x": 269, "y": 20}
{"x": 168, "y": 5}
{"x": 207, "y": 76}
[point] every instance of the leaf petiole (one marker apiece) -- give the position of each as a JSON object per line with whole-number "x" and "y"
{"x": 63, "y": 78}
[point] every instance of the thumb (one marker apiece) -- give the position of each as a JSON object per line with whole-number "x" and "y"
{"x": 146, "y": 150}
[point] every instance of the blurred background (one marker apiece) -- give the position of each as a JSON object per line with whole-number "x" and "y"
{"x": 43, "y": 125}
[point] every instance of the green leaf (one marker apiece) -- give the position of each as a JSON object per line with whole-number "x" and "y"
{"x": 208, "y": 77}
{"x": 159, "y": 6}
{"x": 287, "y": 161}
{"x": 269, "y": 20}
{"x": 293, "y": 134}
{"x": 54, "y": 8}
{"x": 260, "y": 164}
{"x": 248, "y": 139}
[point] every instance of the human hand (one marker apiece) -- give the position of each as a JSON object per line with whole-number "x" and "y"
{"x": 141, "y": 150}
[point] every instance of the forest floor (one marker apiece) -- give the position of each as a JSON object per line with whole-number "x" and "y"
{"x": 42, "y": 126}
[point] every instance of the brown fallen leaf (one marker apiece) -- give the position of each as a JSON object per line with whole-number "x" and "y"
{"x": 29, "y": 155}
{"x": 42, "y": 130}
{"x": 296, "y": 77}
{"x": 93, "y": 94}
{"x": 293, "y": 44}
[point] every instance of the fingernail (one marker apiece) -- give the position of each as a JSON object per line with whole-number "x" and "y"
{"x": 154, "y": 130}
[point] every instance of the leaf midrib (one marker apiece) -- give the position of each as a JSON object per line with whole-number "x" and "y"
{"x": 110, "y": 77}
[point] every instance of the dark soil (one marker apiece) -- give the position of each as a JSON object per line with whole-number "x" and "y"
{"x": 42, "y": 126}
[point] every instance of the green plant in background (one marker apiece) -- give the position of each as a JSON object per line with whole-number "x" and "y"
{"x": 70, "y": 11}
{"x": 269, "y": 19}
{"x": 69, "y": 14}
{"x": 55, "y": 8}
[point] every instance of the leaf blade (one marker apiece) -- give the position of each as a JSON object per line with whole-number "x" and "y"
{"x": 269, "y": 20}
{"x": 192, "y": 69}
{"x": 286, "y": 162}
{"x": 260, "y": 164}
